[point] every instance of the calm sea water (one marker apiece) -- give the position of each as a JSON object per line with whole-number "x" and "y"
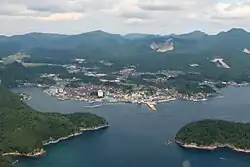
{"x": 137, "y": 137}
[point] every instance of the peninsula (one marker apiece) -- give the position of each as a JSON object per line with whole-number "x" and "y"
{"x": 25, "y": 131}
{"x": 212, "y": 134}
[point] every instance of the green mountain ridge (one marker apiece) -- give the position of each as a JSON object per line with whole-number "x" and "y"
{"x": 86, "y": 42}
{"x": 195, "y": 47}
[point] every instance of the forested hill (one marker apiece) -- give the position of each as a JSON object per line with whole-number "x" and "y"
{"x": 192, "y": 48}
{"x": 215, "y": 132}
{"x": 103, "y": 45}
{"x": 19, "y": 120}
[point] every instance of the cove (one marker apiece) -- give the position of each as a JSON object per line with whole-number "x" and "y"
{"x": 137, "y": 137}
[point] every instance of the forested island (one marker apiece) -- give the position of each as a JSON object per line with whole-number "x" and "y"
{"x": 212, "y": 134}
{"x": 24, "y": 131}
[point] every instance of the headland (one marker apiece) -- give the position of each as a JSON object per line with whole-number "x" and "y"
{"x": 213, "y": 134}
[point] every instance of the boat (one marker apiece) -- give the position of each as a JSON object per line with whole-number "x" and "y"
{"x": 199, "y": 100}
{"x": 139, "y": 103}
{"x": 61, "y": 99}
{"x": 16, "y": 161}
{"x": 94, "y": 106}
{"x": 169, "y": 142}
{"x": 151, "y": 106}
{"x": 203, "y": 99}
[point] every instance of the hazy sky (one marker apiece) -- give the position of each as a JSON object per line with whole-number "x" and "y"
{"x": 123, "y": 16}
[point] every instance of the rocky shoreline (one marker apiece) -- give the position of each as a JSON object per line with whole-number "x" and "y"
{"x": 35, "y": 153}
{"x": 212, "y": 147}
{"x": 41, "y": 151}
{"x": 75, "y": 134}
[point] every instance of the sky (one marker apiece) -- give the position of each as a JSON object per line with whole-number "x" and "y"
{"x": 123, "y": 16}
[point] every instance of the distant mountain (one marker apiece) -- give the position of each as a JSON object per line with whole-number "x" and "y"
{"x": 42, "y": 35}
{"x": 138, "y": 36}
{"x": 103, "y": 41}
{"x": 97, "y": 34}
{"x": 134, "y": 48}
{"x": 235, "y": 31}
{"x": 195, "y": 35}
{"x": 231, "y": 42}
{"x": 90, "y": 39}
{"x": 148, "y": 52}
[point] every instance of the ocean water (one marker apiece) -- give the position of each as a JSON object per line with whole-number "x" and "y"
{"x": 137, "y": 136}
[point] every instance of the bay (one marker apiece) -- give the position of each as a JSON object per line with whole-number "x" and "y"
{"x": 137, "y": 136}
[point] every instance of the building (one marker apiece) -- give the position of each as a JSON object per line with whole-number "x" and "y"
{"x": 100, "y": 93}
{"x": 53, "y": 91}
{"x": 60, "y": 90}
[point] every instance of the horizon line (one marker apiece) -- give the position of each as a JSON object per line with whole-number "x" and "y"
{"x": 122, "y": 34}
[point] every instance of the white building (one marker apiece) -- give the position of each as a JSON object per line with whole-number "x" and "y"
{"x": 53, "y": 90}
{"x": 60, "y": 90}
{"x": 100, "y": 93}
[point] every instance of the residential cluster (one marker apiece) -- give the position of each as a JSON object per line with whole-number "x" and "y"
{"x": 116, "y": 86}
{"x": 94, "y": 93}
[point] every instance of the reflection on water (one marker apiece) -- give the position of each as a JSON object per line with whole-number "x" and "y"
{"x": 186, "y": 163}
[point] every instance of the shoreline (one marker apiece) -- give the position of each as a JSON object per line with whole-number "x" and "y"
{"x": 212, "y": 147}
{"x": 75, "y": 134}
{"x": 117, "y": 101}
{"x": 165, "y": 100}
{"x": 40, "y": 151}
{"x": 192, "y": 98}
{"x": 35, "y": 153}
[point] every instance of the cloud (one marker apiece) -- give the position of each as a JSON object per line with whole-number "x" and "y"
{"x": 231, "y": 11}
{"x": 48, "y": 8}
{"x": 46, "y": 11}
{"x": 129, "y": 12}
{"x": 159, "y": 7}
{"x": 135, "y": 14}
{"x": 61, "y": 6}
{"x": 55, "y": 7}
{"x": 135, "y": 20}
{"x": 147, "y": 16}
{"x": 63, "y": 16}
{"x": 13, "y": 10}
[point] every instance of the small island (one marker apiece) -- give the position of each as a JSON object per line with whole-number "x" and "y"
{"x": 25, "y": 131}
{"x": 212, "y": 134}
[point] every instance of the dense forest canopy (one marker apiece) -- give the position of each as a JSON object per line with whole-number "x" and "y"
{"x": 19, "y": 120}
{"x": 215, "y": 132}
{"x": 15, "y": 73}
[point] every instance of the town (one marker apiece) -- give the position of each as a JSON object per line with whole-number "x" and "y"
{"x": 125, "y": 85}
{"x": 105, "y": 82}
